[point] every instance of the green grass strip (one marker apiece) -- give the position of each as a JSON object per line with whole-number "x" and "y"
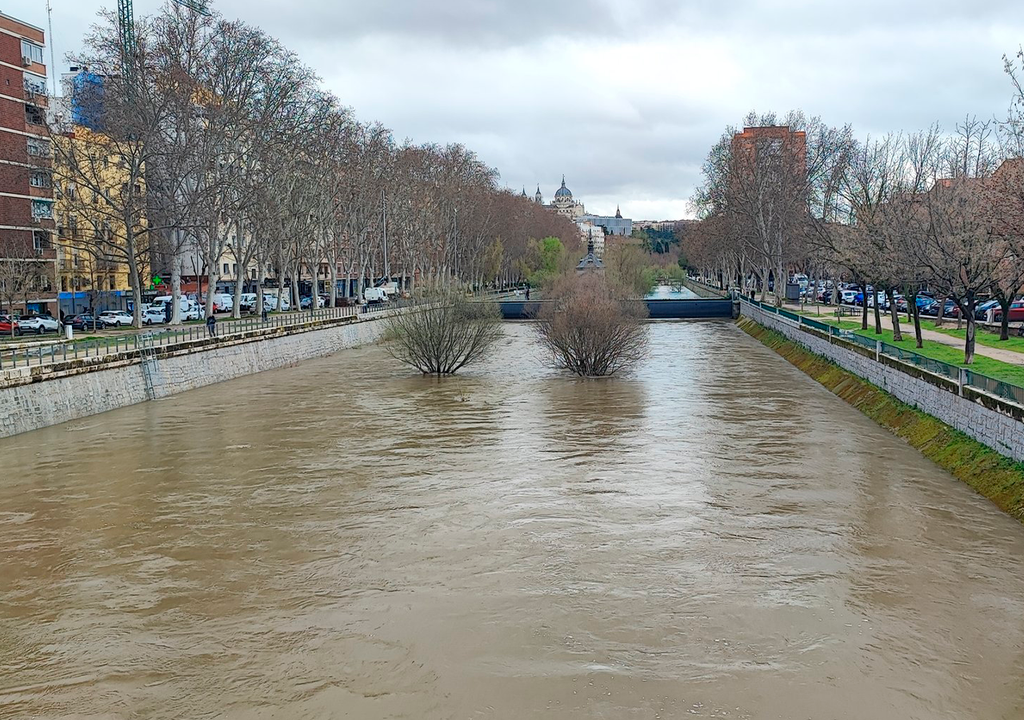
{"x": 995, "y": 476}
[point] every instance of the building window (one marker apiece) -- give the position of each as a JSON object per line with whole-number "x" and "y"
{"x": 34, "y": 115}
{"x": 35, "y": 85}
{"x": 39, "y": 180}
{"x": 41, "y": 240}
{"x": 38, "y": 147}
{"x": 42, "y": 209}
{"x": 225, "y": 268}
{"x": 32, "y": 52}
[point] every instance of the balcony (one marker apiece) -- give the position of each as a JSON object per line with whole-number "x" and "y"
{"x": 40, "y": 161}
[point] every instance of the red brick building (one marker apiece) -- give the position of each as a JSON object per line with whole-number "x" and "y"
{"x": 792, "y": 143}
{"x": 26, "y": 185}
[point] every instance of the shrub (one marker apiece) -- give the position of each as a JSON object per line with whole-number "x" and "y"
{"x": 591, "y": 329}
{"x": 445, "y": 335}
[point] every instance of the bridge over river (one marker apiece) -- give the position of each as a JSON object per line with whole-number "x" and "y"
{"x": 664, "y": 303}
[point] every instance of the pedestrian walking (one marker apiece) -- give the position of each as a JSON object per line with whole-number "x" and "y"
{"x": 527, "y": 293}
{"x": 211, "y": 326}
{"x": 263, "y": 314}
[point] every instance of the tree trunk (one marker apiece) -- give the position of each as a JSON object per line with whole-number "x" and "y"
{"x": 897, "y": 336}
{"x": 211, "y": 284}
{"x": 295, "y": 303}
{"x": 1004, "y": 321}
{"x": 176, "y": 284}
{"x": 261, "y": 276}
{"x": 878, "y": 311}
{"x": 864, "y": 310}
{"x": 968, "y": 309}
{"x": 133, "y": 278}
{"x": 236, "y": 311}
{"x": 334, "y": 284}
{"x": 917, "y": 323}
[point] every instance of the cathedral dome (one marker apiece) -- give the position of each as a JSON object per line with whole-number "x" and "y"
{"x": 563, "y": 192}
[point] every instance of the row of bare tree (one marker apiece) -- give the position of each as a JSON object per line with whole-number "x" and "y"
{"x": 213, "y": 144}
{"x": 903, "y": 213}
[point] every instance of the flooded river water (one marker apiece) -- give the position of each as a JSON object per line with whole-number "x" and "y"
{"x": 716, "y": 536}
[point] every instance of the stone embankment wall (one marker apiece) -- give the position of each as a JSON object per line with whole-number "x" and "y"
{"x": 705, "y": 291}
{"x": 37, "y": 397}
{"x": 991, "y": 421}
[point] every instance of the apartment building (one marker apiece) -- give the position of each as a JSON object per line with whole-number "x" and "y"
{"x": 26, "y": 183}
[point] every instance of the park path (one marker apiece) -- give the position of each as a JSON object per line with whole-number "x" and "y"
{"x": 1007, "y": 356}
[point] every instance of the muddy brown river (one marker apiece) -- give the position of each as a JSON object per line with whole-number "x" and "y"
{"x": 716, "y": 536}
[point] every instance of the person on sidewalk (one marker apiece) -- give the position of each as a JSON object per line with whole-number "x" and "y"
{"x": 211, "y": 326}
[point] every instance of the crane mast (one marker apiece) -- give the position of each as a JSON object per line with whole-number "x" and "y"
{"x": 126, "y": 33}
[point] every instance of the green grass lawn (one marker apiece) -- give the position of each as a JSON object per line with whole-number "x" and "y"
{"x": 997, "y": 369}
{"x": 983, "y": 336}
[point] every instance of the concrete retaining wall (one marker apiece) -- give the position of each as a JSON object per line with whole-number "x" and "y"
{"x": 39, "y": 397}
{"x": 989, "y": 420}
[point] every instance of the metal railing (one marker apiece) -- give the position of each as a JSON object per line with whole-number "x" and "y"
{"x": 964, "y": 377}
{"x": 14, "y": 356}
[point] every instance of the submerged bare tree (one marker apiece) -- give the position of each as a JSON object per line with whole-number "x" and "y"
{"x": 591, "y": 328}
{"x": 445, "y": 336}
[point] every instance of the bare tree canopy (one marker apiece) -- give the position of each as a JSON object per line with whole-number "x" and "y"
{"x": 591, "y": 328}
{"x": 446, "y": 335}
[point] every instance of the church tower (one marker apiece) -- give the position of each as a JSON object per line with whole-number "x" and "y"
{"x": 538, "y": 198}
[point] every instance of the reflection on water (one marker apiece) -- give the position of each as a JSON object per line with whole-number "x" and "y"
{"x": 672, "y": 292}
{"x": 716, "y": 536}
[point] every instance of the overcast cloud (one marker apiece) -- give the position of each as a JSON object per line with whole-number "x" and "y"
{"x": 624, "y": 96}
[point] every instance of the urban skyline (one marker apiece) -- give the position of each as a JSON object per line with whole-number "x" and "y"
{"x": 624, "y": 98}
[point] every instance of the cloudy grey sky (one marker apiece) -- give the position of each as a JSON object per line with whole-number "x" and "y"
{"x": 625, "y": 96}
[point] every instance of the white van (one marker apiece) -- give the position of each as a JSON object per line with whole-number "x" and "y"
{"x": 247, "y": 302}
{"x": 190, "y": 309}
{"x": 375, "y": 295}
{"x": 223, "y": 302}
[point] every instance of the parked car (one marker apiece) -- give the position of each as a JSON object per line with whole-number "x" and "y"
{"x": 247, "y": 302}
{"x": 307, "y": 302}
{"x": 154, "y": 315}
{"x": 1016, "y": 312}
{"x": 949, "y": 309}
{"x": 115, "y": 318}
{"x": 192, "y": 312}
{"x": 37, "y": 324}
{"x": 270, "y": 301}
{"x": 7, "y": 325}
{"x": 83, "y": 321}
{"x": 848, "y": 297}
{"x": 981, "y": 310}
{"x": 222, "y": 302}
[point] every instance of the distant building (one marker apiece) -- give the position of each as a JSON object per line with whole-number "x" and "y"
{"x": 564, "y": 204}
{"x": 612, "y": 225}
{"x": 590, "y": 263}
{"x": 591, "y": 233}
{"x": 26, "y": 182}
{"x": 789, "y": 145}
